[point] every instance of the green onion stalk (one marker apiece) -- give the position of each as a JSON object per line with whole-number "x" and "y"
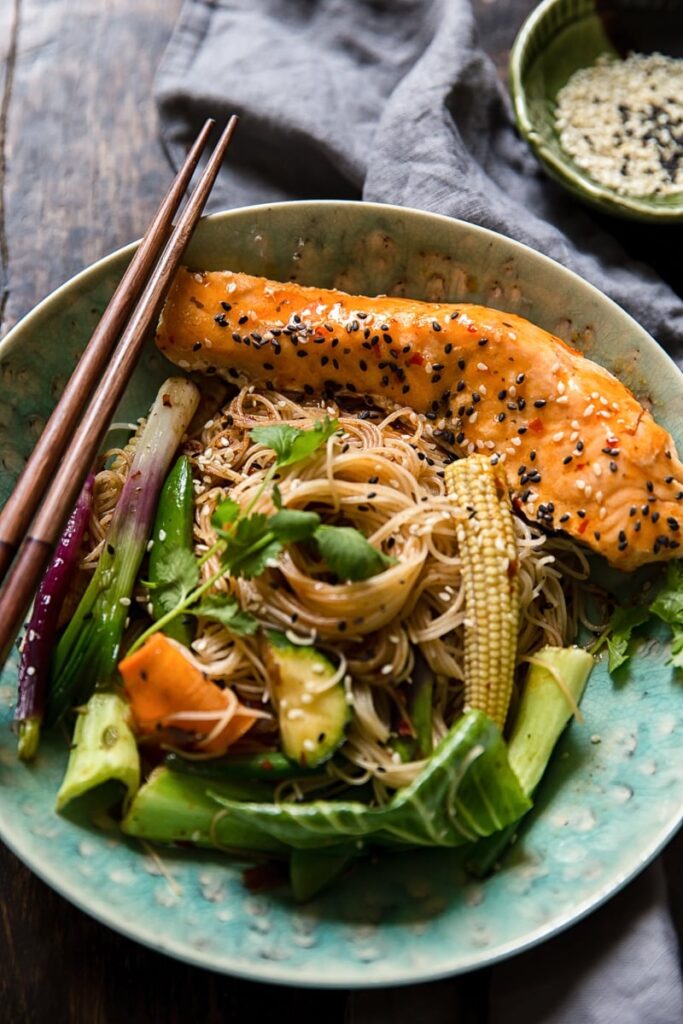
{"x": 89, "y": 648}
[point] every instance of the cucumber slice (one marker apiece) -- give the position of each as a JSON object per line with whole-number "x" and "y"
{"x": 312, "y": 725}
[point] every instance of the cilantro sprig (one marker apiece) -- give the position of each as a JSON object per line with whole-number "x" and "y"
{"x": 248, "y": 542}
{"x": 626, "y": 619}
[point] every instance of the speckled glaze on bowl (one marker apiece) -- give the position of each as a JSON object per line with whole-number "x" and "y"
{"x": 558, "y": 38}
{"x": 614, "y": 791}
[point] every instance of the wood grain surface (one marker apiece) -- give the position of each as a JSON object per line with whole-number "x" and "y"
{"x": 81, "y": 172}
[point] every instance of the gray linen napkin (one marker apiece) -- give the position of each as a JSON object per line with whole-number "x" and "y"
{"x": 394, "y": 102}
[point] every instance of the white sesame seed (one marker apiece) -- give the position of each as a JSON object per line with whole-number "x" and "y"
{"x": 562, "y": 400}
{"x": 516, "y": 441}
{"x": 125, "y": 602}
{"x": 561, "y": 387}
{"x": 162, "y": 535}
{"x": 580, "y": 484}
{"x": 482, "y": 366}
{"x": 597, "y": 469}
{"x": 308, "y": 745}
{"x": 589, "y": 410}
{"x": 558, "y": 436}
{"x": 294, "y": 713}
{"x": 482, "y": 390}
{"x": 574, "y": 436}
{"x": 603, "y": 512}
{"x": 386, "y": 670}
{"x": 31, "y": 671}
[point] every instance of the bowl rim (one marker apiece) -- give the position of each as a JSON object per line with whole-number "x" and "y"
{"x": 108, "y": 914}
{"x": 561, "y": 169}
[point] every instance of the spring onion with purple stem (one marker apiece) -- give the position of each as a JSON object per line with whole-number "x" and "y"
{"x": 38, "y": 642}
{"x": 88, "y": 650}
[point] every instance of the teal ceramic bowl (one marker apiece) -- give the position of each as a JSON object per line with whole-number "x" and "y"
{"x": 613, "y": 794}
{"x": 558, "y": 38}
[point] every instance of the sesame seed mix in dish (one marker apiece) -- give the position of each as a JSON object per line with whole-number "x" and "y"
{"x": 622, "y": 122}
{"x": 329, "y": 597}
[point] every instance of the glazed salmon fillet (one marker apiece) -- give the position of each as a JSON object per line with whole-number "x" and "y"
{"x": 580, "y": 453}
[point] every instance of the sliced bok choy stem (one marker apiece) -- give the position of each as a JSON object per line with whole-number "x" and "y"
{"x": 104, "y": 750}
{"x": 40, "y": 633}
{"x": 171, "y": 808}
{"x": 552, "y": 690}
{"x": 89, "y": 648}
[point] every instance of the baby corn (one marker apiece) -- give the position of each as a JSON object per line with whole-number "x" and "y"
{"x": 488, "y": 551}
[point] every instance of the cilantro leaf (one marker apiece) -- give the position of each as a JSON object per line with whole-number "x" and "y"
{"x": 292, "y": 444}
{"x": 677, "y": 646}
{"x": 224, "y": 608}
{"x": 177, "y": 576}
{"x": 250, "y": 547}
{"x": 349, "y": 554}
{"x": 621, "y": 625}
{"x": 290, "y": 525}
{"x": 668, "y": 604}
{"x": 224, "y": 515}
{"x": 276, "y": 494}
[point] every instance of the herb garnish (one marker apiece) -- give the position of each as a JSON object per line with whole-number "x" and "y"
{"x": 248, "y": 542}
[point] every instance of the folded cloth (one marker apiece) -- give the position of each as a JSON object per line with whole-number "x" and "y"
{"x": 393, "y": 101}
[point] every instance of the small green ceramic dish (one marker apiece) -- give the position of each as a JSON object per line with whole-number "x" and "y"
{"x": 613, "y": 794}
{"x": 558, "y": 38}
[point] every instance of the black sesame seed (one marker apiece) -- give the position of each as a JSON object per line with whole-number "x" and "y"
{"x": 566, "y": 460}
{"x": 521, "y": 470}
{"x": 581, "y": 513}
{"x": 236, "y": 337}
{"x": 521, "y": 430}
{"x": 436, "y": 326}
{"x": 613, "y": 467}
{"x": 405, "y": 389}
{"x": 519, "y": 379}
{"x": 622, "y": 535}
{"x": 532, "y": 454}
{"x": 650, "y": 486}
{"x": 597, "y": 535}
{"x": 221, "y": 321}
{"x": 461, "y": 364}
{"x": 579, "y": 446}
{"x": 436, "y": 378}
{"x": 500, "y": 417}
{"x": 460, "y": 385}
{"x": 243, "y": 319}
{"x": 502, "y": 394}
{"x": 539, "y": 403}
{"x": 637, "y": 525}
{"x": 454, "y": 316}
{"x": 363, "y": 365}
{"x": 673, "y": 523}
{"x": 564, "y": 517}
{"x": 645, "y": 509}
{"x": 623, "y": 545}
{"x": 302, "y": 353}
{"x": 435, "y": 366}
{"x": 521, "y": 403}
{"x": 482, "y": 342}
{"x": 655, "y": 517}
{"x": 196, "y": 347}
{"x": 226, "y": 306}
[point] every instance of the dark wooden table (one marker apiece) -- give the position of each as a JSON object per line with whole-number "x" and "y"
{"x": 80, "y": 173}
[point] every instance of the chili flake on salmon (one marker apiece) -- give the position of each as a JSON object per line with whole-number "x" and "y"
{"x": 580, "y": 452}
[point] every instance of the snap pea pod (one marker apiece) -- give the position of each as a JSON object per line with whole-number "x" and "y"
{"x": 172, "y": 531}
{"x": 271, "y": 766}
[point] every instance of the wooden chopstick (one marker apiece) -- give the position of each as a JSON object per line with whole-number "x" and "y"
{"x": 21, "y": 506}
{"x": 80, "y": 454}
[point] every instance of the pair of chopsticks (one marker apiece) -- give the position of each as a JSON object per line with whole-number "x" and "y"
{"x": 36, "y": 511}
